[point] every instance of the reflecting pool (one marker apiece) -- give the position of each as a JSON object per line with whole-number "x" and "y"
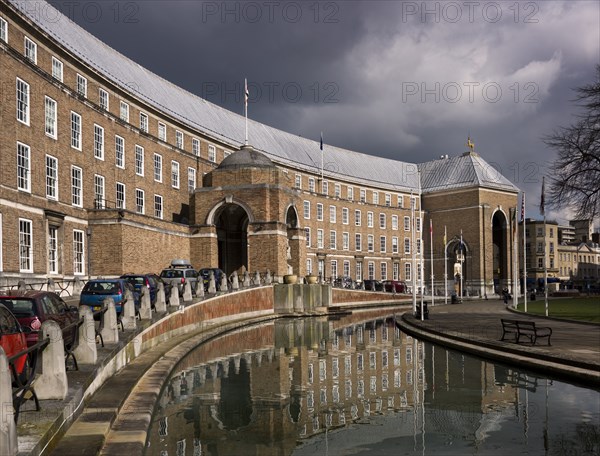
{"x": 359, "y": 386}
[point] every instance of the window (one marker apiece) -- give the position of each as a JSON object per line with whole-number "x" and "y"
{"x": 540, "y": 247}
{"x": 81, "y": 86}
{"x": 418, "y": 222}
{"x": 162, "y": 131}
{"x": 75, "y": 131}
{"x": 50, "y": 116}
{"x": 306, "y": 210}
{"x": 350, "y": 193}
{"x": 359, "y": 273}
{"x": 394, "y": 244}
{"x": 363, "y": 195}
{"x": 370, "y": 243}
{"x": 25, "y": 246}
{"x": 337, "y": 189}
{"x": 298, "y": 182}
{"x": 174, "y": 174}
{"x": 358, "y": 242}
{"x": 407, "y": 275}
{"x": 382, "y": 221}
{"x": 346, "y": 242}
{"x": 78, "y": 252}
{"x": 396, "y": 271}
{"x": 120, "y": 195}
{"x": 51, "y": 177}
{"x": 139, "y": 160}
{"x": 383, "y": 271}
{"x": 406, "y": 223}
{"x": 371, "y": 270}
{"x": 332, "y": 240}
{"x": 320, "y": 212}
{"x": 98, "y": 142}
{"x": 124, "y": 112}
{"x": 307, "y": 236}
{"x": 144, "y": 122}
{"x": 319, "y": 239}
{"x": 158, "y": 206}
{"x": 196, "y": 147}
{"x": 103, "y": 98}
{"x": 311, "y": 184}
{"x": 388, "y": 199}
{"x": 346, "y": 268}
{"x": 406, "y": 245}
{"x": 309, "y": 266}
{"x": 375, "y": 197}
{"x": 23, "y": 167}
{"x": 370, "y": 219}
{"x": 345, "y": 215}
{"x": 139, "y": 201}
{"x": 334, "y": 273}
{"x": 191, "y": 179}
{"x": 400, "y": 201}
{"x": 22, "y": 101}
{"x": 57, "y": 69}
{"x": 76, "y": 186}
{"x": 119, "y": 152}
{"x": 332, "y": 214}
{"x": 357, "y": 217}
{"x": 178, "y": 139}
{"x": 99, "y": 201}
{"x": 30, "y": 50}
{"x": 382, "y": 244}
{"x": 540, "y": 262}
{"x": 3, "y": 30}
{"x": 53, "y": 250}
{"x": 212, "y": 153}
{"x": 418, "y": 246}
{"x": 158, "y": 168}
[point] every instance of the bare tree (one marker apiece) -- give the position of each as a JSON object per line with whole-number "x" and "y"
{"x": 575, "y": 178}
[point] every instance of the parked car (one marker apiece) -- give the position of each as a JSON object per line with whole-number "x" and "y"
{"x": 12, "y": 338}
{"x": 150, "y": 281}
{"x": 373, "y": 285}
{"x": 395, "y": 286}
{"x": 179, "y": 273}
{"x": 205, "y": 273}
{"x": 96, "y": 291}
{"x": 33, "y": 307}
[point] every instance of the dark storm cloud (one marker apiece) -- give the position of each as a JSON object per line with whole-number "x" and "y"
{"x": 404, "y": 80}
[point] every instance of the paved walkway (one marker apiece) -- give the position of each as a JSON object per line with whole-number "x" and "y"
{"x": 474, "y": 326}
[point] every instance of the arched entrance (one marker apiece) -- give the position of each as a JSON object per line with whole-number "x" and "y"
{"x": 500, "y": 250}
{"x": 231, "y": 222}
{"x": 458, "y": 265}
{"x": 294, "y": 253}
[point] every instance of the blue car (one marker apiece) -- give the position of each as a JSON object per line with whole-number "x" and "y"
{"x": 97, "y": 290}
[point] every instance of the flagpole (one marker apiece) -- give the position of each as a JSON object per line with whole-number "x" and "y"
{"x": 322, "y": 159}
{"x": 422, "y": 258}
{"x": 543, "y": 209}
{"x": 413, "y": 249}
{"x": 246, "y": 107}
{"x": 431, "y": 258}
{"x": 445, "y": 269}
{"x": 515, "y": 261}
{"x": 462, "y": 258}
{"x": 524, "y": 253}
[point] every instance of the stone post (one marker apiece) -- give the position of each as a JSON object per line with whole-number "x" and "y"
{"x": 52, "y": 383}
{"x": 235, "y": 281}
{"x": 51, "y": 286}
{"x": 77, "y": 286}
{"x": 223, "y": 287}
{"x": 146, "y": 307}
{"x": 200, "y": 287}
{"x": 161, "y": 303}
{"x": 187, "y": 291}
{"x": 86, "y": 352}
{"x": 110, "y": 328}
{"x": 128, "y": 312}
{"x": 22, "y": 286}
{"x": 212, "y": 286}
{"x": 246, "y": 282}
{"x": 268, "y": 278}
{"x": 8, "y": 428}
{"x": 257, "y": 278}
{"x": 174, "y": 298}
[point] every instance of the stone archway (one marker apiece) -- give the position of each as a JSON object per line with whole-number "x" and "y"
{"x": 458, "y": 265}
{"x": 500, "y": 265}
{"x": 231, "y": 222}
{"x": 295, "y": 236}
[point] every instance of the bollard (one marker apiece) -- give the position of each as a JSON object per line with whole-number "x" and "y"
{"x": 174, "y": 298}
{"x": 212, "y": 286}
{"x": 161, "y": 302}
{"x": 235, "y": 281}
{"x": 8, "y": 428}
{"x": 86, "y": 352}
{"x": 246, "y": 282}
{"x": 223, "y": 286}
{"x": 257, "y": 278}
{"x": 200, "y": 287}
{"x": 187, "y": 291}
{"x": 22, "y": 285}
{"x": 268, "y": 278}
{"x": 128, "y": 312}
{"x": 52, "y": 383}
{"x": 110, "y": 325}
{"x": 77, "y": 286}
{"x": 146, "y": 307}
{"x": 51, "y": 286}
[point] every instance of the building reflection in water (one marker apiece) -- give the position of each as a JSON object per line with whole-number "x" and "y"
{"x": 295, "y": 381}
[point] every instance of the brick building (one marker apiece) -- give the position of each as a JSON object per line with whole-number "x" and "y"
{"x": 108, "y": 168}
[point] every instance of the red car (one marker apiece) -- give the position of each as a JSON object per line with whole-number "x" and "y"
{"x": 12, "y": 338}
{"x": 32, "y": 308}
{"x": 396, "y": 286}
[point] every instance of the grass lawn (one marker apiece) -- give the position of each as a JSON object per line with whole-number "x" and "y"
{"x": 586, "y": 309}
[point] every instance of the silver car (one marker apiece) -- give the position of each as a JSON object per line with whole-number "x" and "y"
{"x": 179, "y": 273}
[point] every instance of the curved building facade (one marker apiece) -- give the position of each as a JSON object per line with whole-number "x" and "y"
{"x": 108, "y": 168}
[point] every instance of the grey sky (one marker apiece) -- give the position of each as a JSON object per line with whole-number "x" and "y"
{"x": 405, "y": 80}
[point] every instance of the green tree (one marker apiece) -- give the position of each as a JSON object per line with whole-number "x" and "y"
{"x": 575, "y": 173}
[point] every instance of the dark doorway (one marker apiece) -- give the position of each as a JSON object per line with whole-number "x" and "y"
{"x": 232, "y": 229}
{"x": 499, "y": 240}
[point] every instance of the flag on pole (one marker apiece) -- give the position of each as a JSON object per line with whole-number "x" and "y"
{"x": 542, "y": 202}
{"x": 445, "y": 240}
{"x": 523, "y": 207}
{"x": 246, "y": 93}
{"x": 430, "y": 226}
{"x": 321, "y": 140}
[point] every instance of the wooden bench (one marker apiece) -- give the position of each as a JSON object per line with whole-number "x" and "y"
{"x": 524, "y": 328}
